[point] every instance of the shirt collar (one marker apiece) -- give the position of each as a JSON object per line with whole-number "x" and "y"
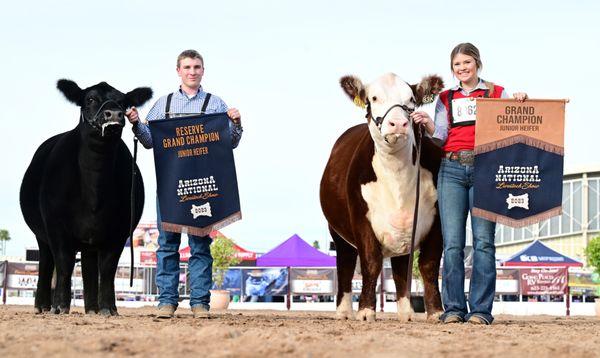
{"x": 480, "y": 86}
{"x": 184, "y": 95}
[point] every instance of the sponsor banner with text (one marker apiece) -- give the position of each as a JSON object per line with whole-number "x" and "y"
{"x": 543, "y": 280}
{"x": 313, "y": 280}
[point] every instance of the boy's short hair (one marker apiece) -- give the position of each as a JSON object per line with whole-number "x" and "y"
{"x": 189, "y": 54}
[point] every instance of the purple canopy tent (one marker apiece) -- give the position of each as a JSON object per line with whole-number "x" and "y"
{"x": 295, "y": 252}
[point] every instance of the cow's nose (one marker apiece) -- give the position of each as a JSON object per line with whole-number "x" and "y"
{"x": 113, "y": 115}
{"x": 397, "y": 123}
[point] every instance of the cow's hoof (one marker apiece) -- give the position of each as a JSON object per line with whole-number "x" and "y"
{"x": 344, "y": 309}
{"x": 91, "y": 312}
{"x": 344, "y": 315}
{"x": 366, "y": 314}
{"x": 107, "y": 312}
{"x": 434, "y": 317}
{"x": 405, "y": 311}
{"x": 60, "y": 310}
{"x": 40, "y": 310}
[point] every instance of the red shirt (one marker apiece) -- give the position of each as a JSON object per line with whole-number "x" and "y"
{"x": 461, "y": 136}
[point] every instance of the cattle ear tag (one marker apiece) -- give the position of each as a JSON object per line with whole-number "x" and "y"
{"x": 359, "y": 102}
{"x": 427, "y": 99}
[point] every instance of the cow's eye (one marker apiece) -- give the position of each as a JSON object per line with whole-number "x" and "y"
{"x": 374, "y": 98}
{"x": 91, "y": 100}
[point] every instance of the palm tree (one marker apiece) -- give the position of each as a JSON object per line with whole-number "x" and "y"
{"x": 4, "y": 237}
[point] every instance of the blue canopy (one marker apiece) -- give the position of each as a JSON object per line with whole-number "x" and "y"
{"x": 538, "y": 254}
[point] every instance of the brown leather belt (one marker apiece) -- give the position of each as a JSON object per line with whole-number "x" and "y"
{"x": 464, "y": 157}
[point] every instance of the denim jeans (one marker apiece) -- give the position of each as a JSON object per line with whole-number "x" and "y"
{"x": 455, "y": 198}
{"x": 167, "y": 267}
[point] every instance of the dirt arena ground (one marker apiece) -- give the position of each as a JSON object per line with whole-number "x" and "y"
{"x": 295, "y": 334}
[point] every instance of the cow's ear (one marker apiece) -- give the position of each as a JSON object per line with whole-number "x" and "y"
{"x": 427, "y": 89}
{"x": 138, "y": 96}
{"x": 355, "y": 89}
{"x": 71, "y": 91}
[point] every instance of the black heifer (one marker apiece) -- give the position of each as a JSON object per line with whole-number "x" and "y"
{"x": 76, "y": 196}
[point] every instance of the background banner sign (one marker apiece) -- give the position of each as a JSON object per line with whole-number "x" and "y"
{"x": 3, "y": 265}
{"x": 265, "y": 282}
{"x": 544, "y": 281}
{"x": 22, "y": 275}
{"x": 507, "y": 281}
{"x": 313, "y": 280}
{"x": 232, "y": 282}
{"x": 195, "y": 173}
{"x": 519, "y": 149}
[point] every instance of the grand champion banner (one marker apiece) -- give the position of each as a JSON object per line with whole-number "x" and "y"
{"x": 196, "y": 181}
{"x": 519, "y": 149}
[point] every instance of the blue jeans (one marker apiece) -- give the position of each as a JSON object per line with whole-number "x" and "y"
{"x": 455, "y": 198}
{"x": 167, "y": 267}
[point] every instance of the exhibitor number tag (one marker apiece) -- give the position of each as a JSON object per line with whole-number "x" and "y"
{"x": 464, "y": 110}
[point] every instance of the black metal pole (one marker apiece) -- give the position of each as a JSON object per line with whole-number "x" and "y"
{"x": 415, "y": 217}
{"x": 132, "y": 218}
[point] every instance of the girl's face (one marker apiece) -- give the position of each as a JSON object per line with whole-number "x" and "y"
{"x": 464, "y": 68}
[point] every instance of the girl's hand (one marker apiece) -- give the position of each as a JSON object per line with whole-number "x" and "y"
{"x": 520, "y": 96}
{"x": 421, "y": 117}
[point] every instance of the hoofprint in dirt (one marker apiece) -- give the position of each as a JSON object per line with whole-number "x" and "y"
{"x": 299, "y": 334}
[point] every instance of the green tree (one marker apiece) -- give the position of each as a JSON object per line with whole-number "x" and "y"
{"x": 592, "y": 252}
{"x": 223, "y": 252}
{"x": 416, "y": 273}
{"x": 316, "y": 244}
{"x": 4, "y": 237}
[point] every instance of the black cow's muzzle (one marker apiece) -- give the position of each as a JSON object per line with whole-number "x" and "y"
{"x": 108, "y": 121}
{"x": 114, "y": 122}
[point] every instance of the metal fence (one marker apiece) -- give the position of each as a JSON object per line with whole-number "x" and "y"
{"x": 19, "y": 279}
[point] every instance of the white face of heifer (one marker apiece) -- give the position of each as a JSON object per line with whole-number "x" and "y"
{"x": 102, "y": 106}
{"x": 389, "y": 101}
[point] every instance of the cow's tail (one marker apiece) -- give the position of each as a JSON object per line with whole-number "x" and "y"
{"x": 132, "y": 208}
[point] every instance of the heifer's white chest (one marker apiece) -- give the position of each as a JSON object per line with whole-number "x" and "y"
{"x": 391, "y": 202}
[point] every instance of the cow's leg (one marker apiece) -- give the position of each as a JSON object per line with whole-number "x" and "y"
{"x": 371, "y": 261}
{"x": 89, "y": 273}
{"x": 64, "y": 260}
{"x": 399, "y": 272}
{"x": 346, "y": 263}
{"x": 108, "y": 262}
{"x": 429, "y": 266}
{"x": 43, "y": 296}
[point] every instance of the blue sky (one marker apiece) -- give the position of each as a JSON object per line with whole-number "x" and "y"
{"x": 279, "y": 62}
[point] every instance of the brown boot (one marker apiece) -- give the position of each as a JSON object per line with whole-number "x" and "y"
{"x": 165, "y": 311}
{"x": 200, "y": 311}
{"x": 474, "y": 319}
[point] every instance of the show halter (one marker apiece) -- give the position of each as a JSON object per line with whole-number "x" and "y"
{"x": 104, "y": 125}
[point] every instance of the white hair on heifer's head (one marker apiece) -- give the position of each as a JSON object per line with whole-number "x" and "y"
{"x": 389, "y": 101}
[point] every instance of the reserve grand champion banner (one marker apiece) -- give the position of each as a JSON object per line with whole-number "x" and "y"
{"x": 196, "y": 181}
{"x": 519, "y": 149}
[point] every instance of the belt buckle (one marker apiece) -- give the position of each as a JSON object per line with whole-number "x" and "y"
{"x": 466, "y": 157}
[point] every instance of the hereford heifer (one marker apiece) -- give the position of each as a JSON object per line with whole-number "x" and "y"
{"x": 76, "y": 196}
{"x": 368, "y": 195}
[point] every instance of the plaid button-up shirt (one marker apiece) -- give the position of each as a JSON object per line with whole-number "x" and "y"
{"x": 181, "y": 105}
